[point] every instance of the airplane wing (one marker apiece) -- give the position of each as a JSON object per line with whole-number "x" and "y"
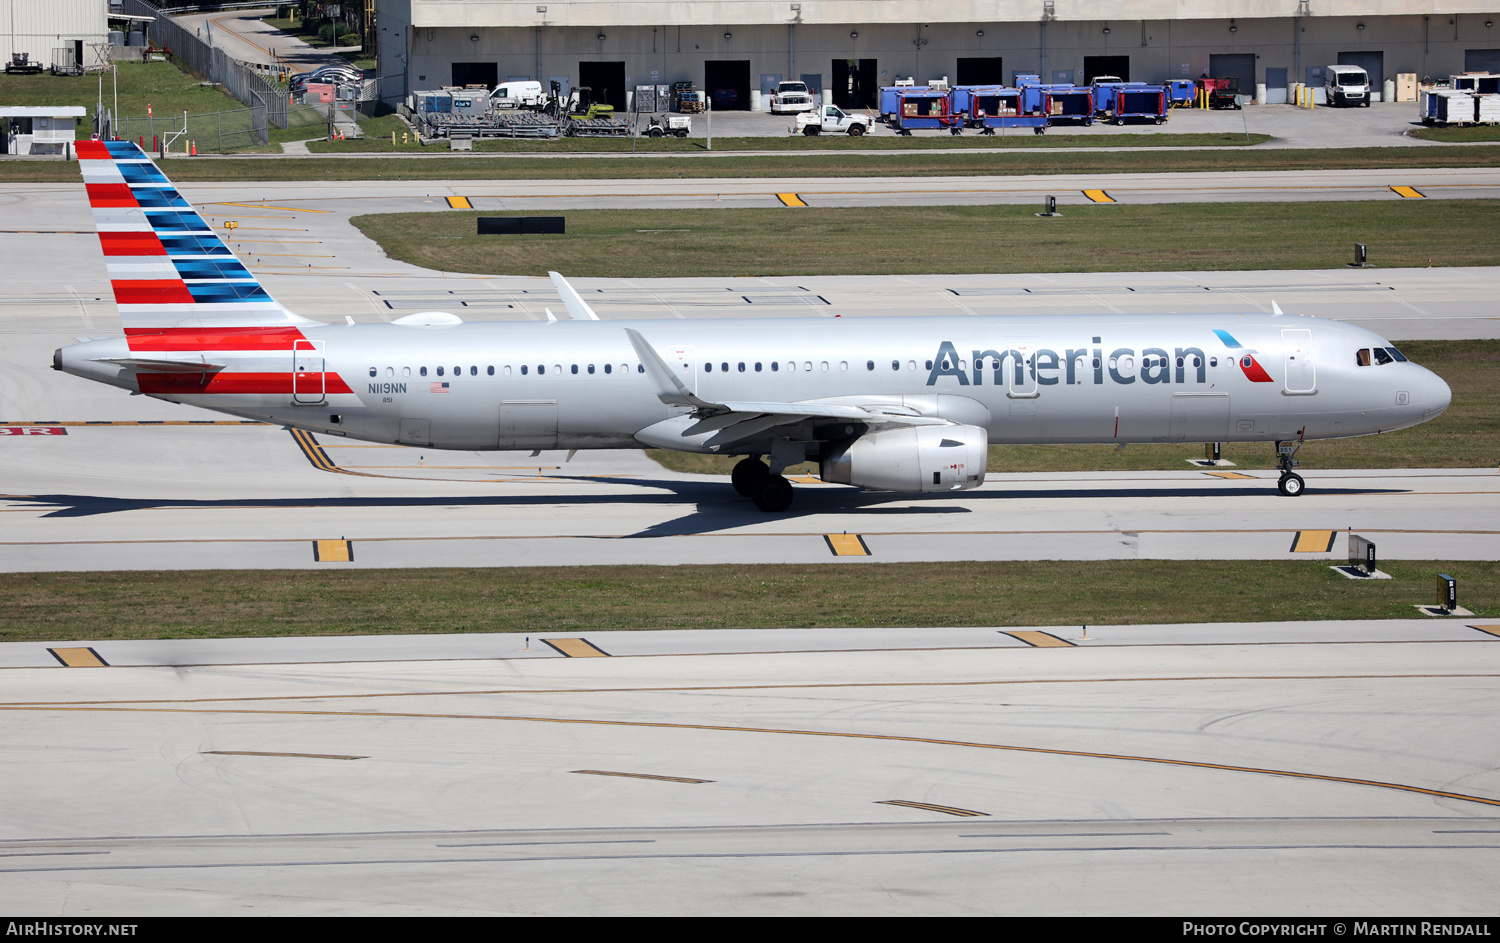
{"x": 736, "y": 422}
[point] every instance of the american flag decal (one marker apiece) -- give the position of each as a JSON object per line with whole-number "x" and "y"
{"x": 438, "y": 388}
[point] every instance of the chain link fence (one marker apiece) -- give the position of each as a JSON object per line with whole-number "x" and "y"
{"x": 240, "y": 80}
{"x": 219, "y": 132}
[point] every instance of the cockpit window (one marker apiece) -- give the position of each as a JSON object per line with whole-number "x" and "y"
{"x": 1397, "y": 354}
{"x": 1362, "y": 356}
{"x": 1381, "y": 357}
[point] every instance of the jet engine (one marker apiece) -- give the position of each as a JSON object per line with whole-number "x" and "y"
{"x": 912, "y": 459}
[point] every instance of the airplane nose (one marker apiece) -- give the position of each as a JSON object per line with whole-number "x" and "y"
{"x": 1436, "y": 395}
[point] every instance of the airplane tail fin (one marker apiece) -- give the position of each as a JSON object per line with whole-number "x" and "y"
{"x": 170, "y": 272}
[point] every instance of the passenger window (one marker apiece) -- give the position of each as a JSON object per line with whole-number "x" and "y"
{"x": 490, "y": 370}
{"x": 1362, "y": 357}
{"x": 557, "y": 368}
{"x": 608, "y": 368}
{"x": 507, "y": 369}
{"x": 742, "y": 366}
{"x": 591, "y": 368}
{"x": 541, "y": 369}
{"x": 775, "y": 366}
{"x": 724, "y": 367}
{"x": 575, "y": 369}
{"x": 474, "y": 371}
{"x": 422, "y": 371}
{"x": 929, "y": 365}
{"x": 406, "y": 371}
{"x": 640, "y": 368}
{"x": 912, "y": 365}
{"x": 390, "y": 371}
{"x": 895, "y": 365}
{"x": 372, "y": 371}
{"x": 439, "y": 371}
{"x": 1381, "y": 357}
{"x": 523, "y": 369}
{"x": 869, "y": 365}
{"x": 757, "y": 366}
{"x": 708, "y": 368}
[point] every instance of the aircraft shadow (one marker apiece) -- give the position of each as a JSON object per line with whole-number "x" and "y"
{"x": 715, "y": 506}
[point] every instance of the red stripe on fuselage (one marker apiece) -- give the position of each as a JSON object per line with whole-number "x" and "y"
{"x": 131, "y": 243}
{"x": 1254, "y": 370}
{"x": 226, "y": 382}
{"x": 110, "y": 194}
{"x": 152, "y": 292}
{"x": 198, "y": 338}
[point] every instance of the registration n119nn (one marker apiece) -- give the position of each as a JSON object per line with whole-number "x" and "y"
{"x": 891, "y": 404}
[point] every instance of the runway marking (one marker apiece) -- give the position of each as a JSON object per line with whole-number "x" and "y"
{"x": 1409, "y": 193}
{"x": 790, "y": 199}
{"x": 576, "y": 648}
{"x": 266, "y": 206}
{"x": 1099, "y": 196}
{"x": 78, "y": 657}
{"x": 1040, "y": 639}
{"x": 665, "y": 779}
{"x": 310, "y": 756}
{"x": 798, "y": 732}
{"x": 806, "y": 479}
{"x": 847, "y": 545}
{"x": 333, "y": 551}
{"x": 460, "y": 203}
{"x": 929, "y": 807}
{"x": 1313, "y": 541}
{"x": 1490, "y": 629}
{"x": 1228, "y": 475}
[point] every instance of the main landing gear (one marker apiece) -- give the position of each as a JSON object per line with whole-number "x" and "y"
{"x": 1291, "y": 483}
{"x": 754, "y": 480}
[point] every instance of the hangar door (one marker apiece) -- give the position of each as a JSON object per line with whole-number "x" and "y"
{"x": 728, "y": 82}
{"x": 1482, "y": 60}
{"x": 476, "y": 73}
{"x": 1239, "y": 66}
{"x": 856, "y": 84}
{"x": 607, "y": 79}
{"x": 987, "y": 71}
{"x": 1374, "y": 65}
{"x": 1105, "y": 65}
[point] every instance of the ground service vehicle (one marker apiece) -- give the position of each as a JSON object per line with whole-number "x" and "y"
{"x": 833, "y": 119}
{"x": 907, "y": 404}
{"x": 791, "y": 98}
{"x": 1346, "y": 85}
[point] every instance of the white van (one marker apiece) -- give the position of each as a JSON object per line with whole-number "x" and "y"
{"x": 1346, "y": 85}
{"x": 517, "y": 95}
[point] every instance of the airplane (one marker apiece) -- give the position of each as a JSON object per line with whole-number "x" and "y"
{"x": 904, "y": 404}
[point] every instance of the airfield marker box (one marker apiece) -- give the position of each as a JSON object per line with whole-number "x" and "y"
{"x": 522, "y": 225}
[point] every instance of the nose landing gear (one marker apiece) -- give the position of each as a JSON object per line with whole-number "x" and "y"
{"x": 1291, "y": 483}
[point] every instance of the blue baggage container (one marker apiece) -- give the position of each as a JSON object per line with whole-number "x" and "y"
{"x": 1181, "y": 92}
{"x": 924, "y": 108}
{"x": 1144, "y": 101}
{"x": 1070, "y": 103}
{"x": 1104, "y": 95}
{"x": 993, "y": 106}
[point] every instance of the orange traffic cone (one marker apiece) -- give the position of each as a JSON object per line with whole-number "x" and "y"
{"x": 195, "y": 148}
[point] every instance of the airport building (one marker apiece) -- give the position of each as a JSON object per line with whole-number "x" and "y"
{"x": 65, "y": 33}
{"x": 738, "y": 51}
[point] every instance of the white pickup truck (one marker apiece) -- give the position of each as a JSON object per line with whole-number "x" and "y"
{"x": 791, "y": 98}
{"x": 833, "y": 119}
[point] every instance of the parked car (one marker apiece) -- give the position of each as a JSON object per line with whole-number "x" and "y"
{"x": 791, "y": 98}
{"x": 832, "y": 118}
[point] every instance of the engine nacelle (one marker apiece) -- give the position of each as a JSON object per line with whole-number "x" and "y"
{"x": 914, "y": 459}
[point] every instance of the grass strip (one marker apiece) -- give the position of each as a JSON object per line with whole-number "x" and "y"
{"x": 1466, "y": 436}
{"x": 254, "y": 603}
{"x": 1467, "y": 135}
{"x": 942, "y": 240}
{"x": 832, "y": 164}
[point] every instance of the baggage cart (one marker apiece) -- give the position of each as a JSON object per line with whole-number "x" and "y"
{"x": 1147, "y": 101}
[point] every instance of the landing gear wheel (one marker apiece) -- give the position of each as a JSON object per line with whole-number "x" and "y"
{"x": 747, "y": 474}
{"x": 1291, "y": 485}
{"x": 773, "y": 494}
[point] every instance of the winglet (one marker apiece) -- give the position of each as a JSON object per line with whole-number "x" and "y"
{"x": 1276, "y": 309}
{"x": 578, "y": 309}
{"x": 669, "y": 389}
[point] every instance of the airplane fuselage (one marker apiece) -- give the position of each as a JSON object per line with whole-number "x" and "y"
{"x": 580, "y": 385}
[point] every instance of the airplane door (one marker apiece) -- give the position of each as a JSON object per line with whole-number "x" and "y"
{"x": 307, "y": 373}
{"x": 1024, "y": 387}
{"x": 528, "y": 424}
{"x": 1199, "y": 417}
{"x": 1298, "y": 360}
{"x": 685, "y": 365}
{"x": 416, "y": 432}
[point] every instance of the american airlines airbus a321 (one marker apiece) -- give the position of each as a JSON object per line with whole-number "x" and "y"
{"x": 890, "y": 404}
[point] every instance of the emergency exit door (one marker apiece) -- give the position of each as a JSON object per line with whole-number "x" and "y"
{"x": 307, "y": 373}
